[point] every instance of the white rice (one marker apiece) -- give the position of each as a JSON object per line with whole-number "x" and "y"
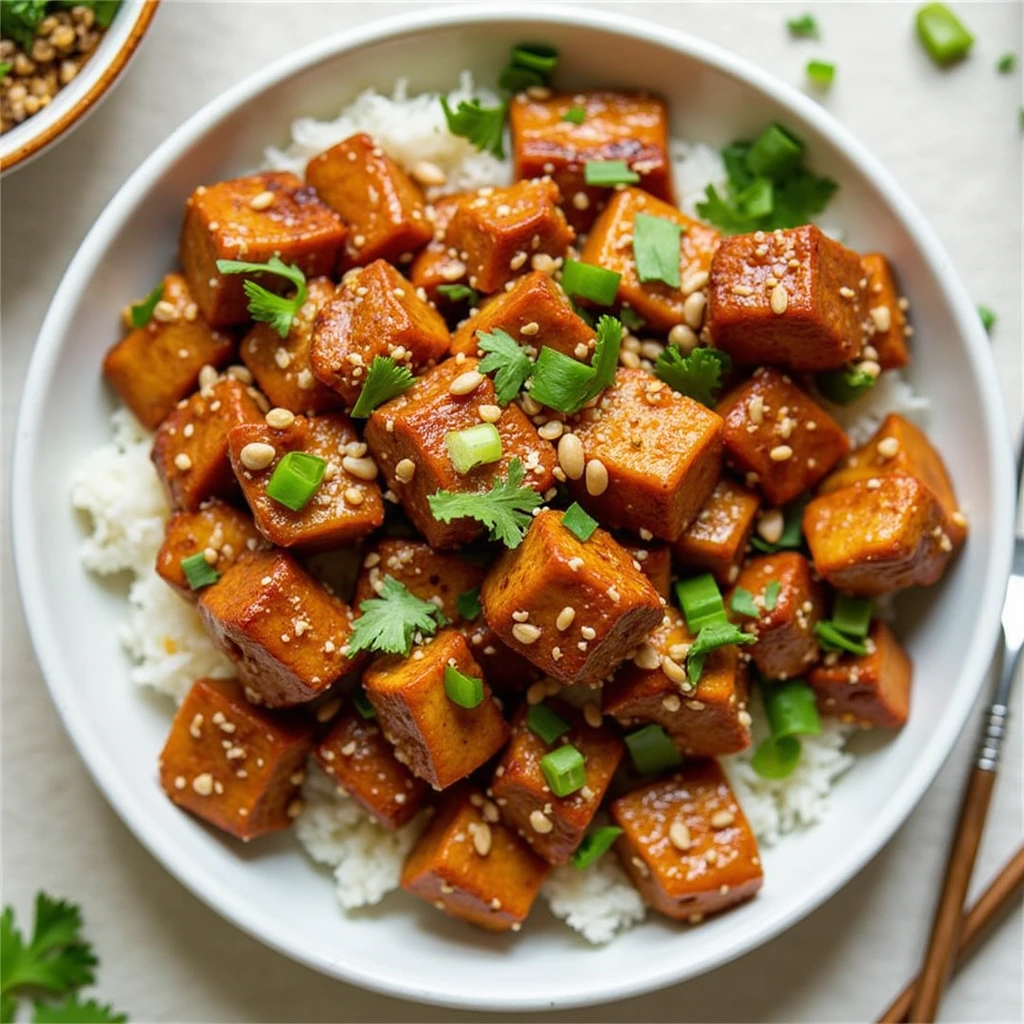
{"x": 119, "y": 490}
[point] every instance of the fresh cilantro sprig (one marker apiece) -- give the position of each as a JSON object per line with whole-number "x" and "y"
{"x": 264, "y": 305}
{"x": 506, "y": 356}
{"x": 468, "y": 604}
{"x": 142, "y": 312}
{"x": 384, "y": 380}
{"x": 459, "y": 293}
{"x": 504, "y": 509}
{"x": 698, "y": 375}
{"x": 55, "y": 961}
{"x": 19, "y": 20}
{"x": 710, "y": 638}
{"x": 5, "y": 69}
{"x": 389, "y": 622}
{"x": 565, "y": 384}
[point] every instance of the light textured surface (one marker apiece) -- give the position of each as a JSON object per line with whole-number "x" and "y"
{"x": 953, "y": 141}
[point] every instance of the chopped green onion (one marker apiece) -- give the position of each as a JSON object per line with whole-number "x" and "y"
{"x": 459, "y": 293}
{"x": 804, "y": 27}
{"x": 295, "y": 479}
{"x": 710, "y": 638}
{"x": 771, "y": 595}
{"x": 362, "y": 703}
{"x": 565, "y": 384}
{"x": 590, "y": 282}
{"x": 776, "y": 758}
{"x": 1006, "y": 63}
{"x": 631, "y": 318}
{"x": 198, "y": 571}
{"x": 821, "y": 73}
{"x": 774, "y": 153}
{"x": 742, "y": 603}
{"x": 578, "y": 523}
{"x": 852, "y": 615}
{"x": 701, "y": 601}
{"x": 844, "y": 386}
{"x": 142, "y": 312}
{"x": 517, "y": 79}
{"x": 609, "y": 172}
{"x": 791, "y": 711}
{"x": 595, "y": 845}
{"x": 988, "y": 318}
{"x": 832, "y": 640}
{"x": 943, "y": 34}
{"x": 466, "y": 691}
{"x": 656, "y": 249}
{"x": 5, "y": 69}
{"x": 575, "y": 115}
{"x": 474, "y": 446}
{"x": 651, "y": 750}
{"x": 792, "y": 530}
{"x": 545, "y": 723}
{"x": 536, "y": 56}
{"x": 564, "y": 769}
{"x": 468, "y": 604}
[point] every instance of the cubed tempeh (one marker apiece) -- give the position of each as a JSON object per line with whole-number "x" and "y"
{"x": 716, "y": 541}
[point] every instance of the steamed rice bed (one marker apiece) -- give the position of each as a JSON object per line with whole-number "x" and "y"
{"x": 169, "y": 649}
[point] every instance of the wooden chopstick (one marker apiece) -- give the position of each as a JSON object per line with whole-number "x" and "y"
{"x": 991, "y": 904}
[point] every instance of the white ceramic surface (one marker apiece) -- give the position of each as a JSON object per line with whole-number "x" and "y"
{"x": 269, "y": 889}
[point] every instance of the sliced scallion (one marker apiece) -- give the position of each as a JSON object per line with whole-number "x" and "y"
{"x": 595, "y": 845}
{"x": 609, "y": 172}
{"x": 578, "y": 523}
{"x": 832, "y": 640}
{"x": 652, "y": 750}
{"x": 575, "y": 115}
{"x": 701, "y": 601}
{"x": 791, "y": 710}
{"x": 852, "y": 615}
{"x": 546, "y": 723}
{"x": 821, "y": 73}
{"x": 475, "y": 446}
{"x": 1006, "y": 63}
{"x": 198, "y": 571}
{"x": 988, "y": 318}
{"x": 943, "y": 34}
{"x": 362, "y": 703}
{"x": 295, "y": 479}
{"x": 466, "y": 691}
{"x": 590, "y": 282}
{"x": 142, "y": 312}
{"x": 564, "y": 769}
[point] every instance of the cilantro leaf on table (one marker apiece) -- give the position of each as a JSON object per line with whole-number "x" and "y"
{"x": 384, "y": 380}
{"x": 264, "y": 305}
{"x": 698, "y": 375}
{"x": 509, "y": 359}
{"x": 504, "y": 509}
{"x": 71, "y": 1011}
{"x": 482, "y": 126}
{"x": 389, "y": 622}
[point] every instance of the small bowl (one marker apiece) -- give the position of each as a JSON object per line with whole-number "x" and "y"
{"x": 405, "y": 948}
{"x": 83, "y": 94}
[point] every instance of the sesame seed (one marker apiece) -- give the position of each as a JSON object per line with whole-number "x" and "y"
{"x": 770, "y": 525}
{"x": 847, "y": 293}
{"x": 294, "y": 809}
{"x": 518, "y": 260}
{"x": 888, "y": 447}
{"x": 405, "y": 470}
{"x": 742, "y": 289}
{"x": 670, "y": 702}
{"x": 489, "y": 413}
{"x": 530, "y": 329}
{"x": 453, "y": 270}
{"x": 540, "y": 823}
{"x": 543, "y": 262}
{"x": 779, "y": 299}
{"x": 673, "y": 670}
{"x": 280, "y": 419}
{"x": 571, "y": 457}
{"x": 592, "y": 715}
{"x": 552, "y": 430}
{"x": 881, "y": 316}
{"x": 780, "y": 453}
{"x": 588, "y": 632}
{"x": 354, "y": 496}
{"x": 362, "y": 468}
{"x": 465, "y": 383}
{"x": 203, "y": 784}
{"x": 257, "y": 455}
{"x": 427, "y": 173}
{"x": 565, "y": 617}
{"x": 525, "y": 632}
{"x": 679, "y": 835}
{"x": 182, "y": 462}
{"x": 262, "y": 200}
{"x": 647, "y": 658}
{"x": 722, "y": 819}
{"x": 535, "y": 694}
{"x": 596, "y": 477}
{"x": 481, "y": 833}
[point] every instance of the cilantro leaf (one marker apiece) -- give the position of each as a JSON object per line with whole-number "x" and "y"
{"x": 55, "y": 959}
{"x": 19, "y": 20}
{"x": 384, "y": 380}
{"x": 771, "y": 595}
{"x": 142, "y": 312}
{"x": 389, "y": 622}
{"x": 504, "y": 509}
{"x": 482, "y": 126}
{"x": 468, "y": 604}
{"x": 710, "y": 638}
{"x": 71, "y": 1011}
{"x": 5, "y": 69}
{"x": 459, "y": 293}
{"x": 509, "y": 358}
{"x": 698, "y": 375}
{"x": 656, "y": 249}
{"x": 565, "y": 384}
{"x": 265, "y": 305}
{"x": 742, "y": 603}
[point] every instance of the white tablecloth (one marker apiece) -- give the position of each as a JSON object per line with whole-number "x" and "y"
{"x": 953, "y": 140}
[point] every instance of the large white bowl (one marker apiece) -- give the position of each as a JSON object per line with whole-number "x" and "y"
{"x": 269, "y": 889}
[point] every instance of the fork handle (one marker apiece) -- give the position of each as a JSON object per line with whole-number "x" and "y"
{"x": 945, "y": 936}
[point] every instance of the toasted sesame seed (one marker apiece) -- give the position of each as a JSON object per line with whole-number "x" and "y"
{"x": 552, "y": 430}
{"x": 679, "y": 835}
{"x": 870, "y": 367}
{"x": 405, "y": 470}
{"x": 540, "y": 823}
{"x": 182, "y": 462}
{"x": 354, "y": 496}
{"x": 673, "y": 670}
{"x": 489, "y": 413}
{"x": 647, "y": 658}
{"x": 203, "y": 784}
{"x": 780, "y": 453}
{"x": 888, "y": 447}
{"x": 881, "y": 317}
{"x": 565, "y": 617}
{"x": 592, "y": 715}
{"x": 481, "y": 837}
{"x": 363, "y": 468}
{"x": 596, "y": 477}
{"x": 722, "y": 819}
{"x": 755, "y": 409}
{"x": 742, "y": 289}
{"x": 165, "y": 312}
{"x": 294, "y": 809}
{"x": 693, "y": 310}
{"x": 518, "y": 260}
{"x": 453, "y": 270}
{"x": 694, "y": 282}
{"x": 588, "y": 632}
{"x": 427, "y": 173}
{"x": 684, "y": 338}
{"x": 571, "y": 457}
{"x": 959, "y": 519}
{"x": 543, "y": 262}
{"x": 257, "y": 455}
{"x": 525, "y": 632}
{"x": 535, "y": 694}
{"x": 466, "y": 382}
{"x": 847, "y": 293}
{"x": 770, "y": 525}
{"x": 262, "y": 200}
{"x": 779, "y": 299}
{"x": 670, "y": 702}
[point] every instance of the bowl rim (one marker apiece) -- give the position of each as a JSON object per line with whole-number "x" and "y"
{"x": 906, "y": 795}
{"x": 36, "y": 143}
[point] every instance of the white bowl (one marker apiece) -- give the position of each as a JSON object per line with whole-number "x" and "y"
{"x": 87, "y": 89}
{"x": 269, "y": 889}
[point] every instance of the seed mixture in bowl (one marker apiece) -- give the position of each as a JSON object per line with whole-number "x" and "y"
{"x": 43, "y": 46}
{"x": 519, "y": 527}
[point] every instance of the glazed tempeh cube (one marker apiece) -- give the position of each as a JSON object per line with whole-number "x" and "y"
{"x": 441, "y": 741}
{"x": 252, "y": 219}
{"x": 786, "y": 643}
{"x": 234, "y": 764}
{"x": 573, "y": 608}
{"x": 382, "y": 206}
{"x": 498, "y": 231}
{"x": 554, "y": 826}
{"x": 716, "y": 541}
{"x": 706, "y": 720}
{"x": 407, "y": 438}
{"x": 789, "y": 297}
{"x": 438, "y": 264}
{"x": 345, "y": 507}
{"x": 610, "y": 245}
{"x": 217, "y": 530}
{"x": 285, "y": 633}
{"x": 281, "y": 366}
{"x": 778, "y": 434}
{"x": 886, "y": 323}
{"x": 871, "y": 689}
{"x": 655, "y": 561}
{"x": 686, "y": 843}
{"x": 470, "y": 866}
{"x": 651, "y": 456}
{"x": 631, "y": 127}
{"x": 190, "y": 450}
{"x": 536, "y": 313}
{"x": 356, "y": 755}
{"x": 154, "y": 367}
{"x": 376, "y": 312}
{"x": 877, "y": 535}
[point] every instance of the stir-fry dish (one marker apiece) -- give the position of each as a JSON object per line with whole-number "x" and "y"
{"x": 578, "y": 444}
